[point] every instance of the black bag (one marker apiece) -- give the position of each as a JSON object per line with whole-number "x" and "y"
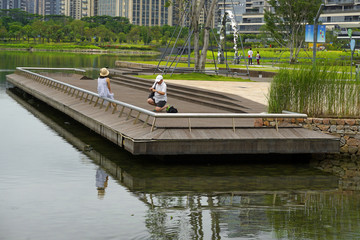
{"x": 171, "y": 110}
{"x": 151, "y": 95}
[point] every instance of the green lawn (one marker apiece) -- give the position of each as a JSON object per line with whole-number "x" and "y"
{"x": 197, "y": 77}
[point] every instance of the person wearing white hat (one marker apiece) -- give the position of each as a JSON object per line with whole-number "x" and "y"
{"x": 104, "y": 89}
{"x": 158, "y": 96}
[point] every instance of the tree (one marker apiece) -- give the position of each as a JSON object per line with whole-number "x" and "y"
{"x": 38, "y": 29}
{"x": 156, "y": 33}
{"x": 56, "y": 33}
{"x": 286, "y": 24}
{"x": 103, "y": 33}
{"x": 27, "y": 31}
{"x": 134, "y": 34}
{"x": 78, "y": 27}
{"x": 15, "y": 30}
{"x": 196, "y": 9}
{"x": 122, "y": 37}
{"x": 89, "y": 33}
{"x": 3, "y": 32}
{"x": 17, "y": 15}
{"x": 206, "y": 36}
{"x": 145, "y": 34}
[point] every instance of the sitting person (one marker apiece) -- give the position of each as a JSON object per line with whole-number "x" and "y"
{"x": 104, "y": 89}
{"x": 159, "y": 97}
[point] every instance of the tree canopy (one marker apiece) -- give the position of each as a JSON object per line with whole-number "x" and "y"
{"x": 286, "y": 24}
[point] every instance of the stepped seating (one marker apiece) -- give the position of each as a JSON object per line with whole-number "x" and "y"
{"x": 193, "y": 95}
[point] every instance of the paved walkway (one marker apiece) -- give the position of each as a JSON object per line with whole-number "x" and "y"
{"x": 255, "y": 91}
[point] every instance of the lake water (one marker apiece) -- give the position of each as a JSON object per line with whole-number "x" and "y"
{"x": 59, "y": 180}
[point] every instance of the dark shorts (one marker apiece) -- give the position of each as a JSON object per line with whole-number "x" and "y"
{"x": 160, "y": 104}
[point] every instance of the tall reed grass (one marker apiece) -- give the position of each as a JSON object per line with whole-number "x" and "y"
{"x": 316, "y": 91}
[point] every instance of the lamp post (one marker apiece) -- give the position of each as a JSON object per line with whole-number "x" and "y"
{"x": 315, "y": 32}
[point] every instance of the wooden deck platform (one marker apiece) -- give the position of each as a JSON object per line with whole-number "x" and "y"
{"x": 132, "y": 131}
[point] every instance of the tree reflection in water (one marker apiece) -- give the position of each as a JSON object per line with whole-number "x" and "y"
{"x": 299, "y": 215}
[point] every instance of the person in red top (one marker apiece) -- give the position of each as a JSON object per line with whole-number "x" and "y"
{"x": 250, "y": 55}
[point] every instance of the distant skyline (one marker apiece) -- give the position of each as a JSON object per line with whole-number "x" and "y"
{"x": 249, "y": 14}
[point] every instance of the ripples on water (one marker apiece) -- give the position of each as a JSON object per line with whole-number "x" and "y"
{"x": 48, "y": 188}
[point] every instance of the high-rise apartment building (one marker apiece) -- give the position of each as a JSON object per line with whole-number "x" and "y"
{"x": 41, "y": 7}
{"x": 115, "y": 8}
{"x": 249, "y": 14}
{"x": 341, "y": 13}
{"x": 151, "y": 13}
{"x": 10, "y": 4}
{"x": 139, "y": 12}
{"x": 47, "y": 7}
{"x": 78, "y": 9}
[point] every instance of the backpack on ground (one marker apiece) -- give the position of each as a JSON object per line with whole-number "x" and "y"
{"x": 171, "y": 110}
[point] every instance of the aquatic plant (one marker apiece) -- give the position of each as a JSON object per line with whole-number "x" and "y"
{"x": 316, "y": 91}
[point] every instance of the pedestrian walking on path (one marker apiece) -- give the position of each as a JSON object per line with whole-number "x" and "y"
{"x": 158, "y": 96}
{"x": 104, "y": 89}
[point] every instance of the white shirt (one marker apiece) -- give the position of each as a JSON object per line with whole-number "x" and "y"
{"x": 250, "y": 53}
{"x": 103, "y": 89}
{"x": 162, "y": 88}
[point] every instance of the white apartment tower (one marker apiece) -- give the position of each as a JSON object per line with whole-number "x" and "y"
{"x": 139, "y": 12}
{"x": 341, "y": 13}
{"x": 115, "y": 8}
{"x": 78, "y": 9}
{"x": 249, "y": 14}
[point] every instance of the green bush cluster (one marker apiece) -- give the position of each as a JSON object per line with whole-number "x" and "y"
{"x": 129, "y": 47}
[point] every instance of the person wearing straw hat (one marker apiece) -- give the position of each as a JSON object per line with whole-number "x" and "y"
{"x": 158, "y": 96}
{"x": 104, "y": 89}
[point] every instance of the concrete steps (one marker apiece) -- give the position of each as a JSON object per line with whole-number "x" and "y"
{"x": 189, "y": 94}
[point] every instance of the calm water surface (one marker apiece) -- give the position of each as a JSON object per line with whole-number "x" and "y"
{"x": 58, "y": 180}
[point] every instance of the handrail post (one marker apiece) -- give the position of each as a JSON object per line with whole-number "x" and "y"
{"x": 189, "y": 122}
{"x": 233, "y": 123}
{"x": 153, "y": 125}
{"x": 107, "y": 107}
{"x": 147, "y": 119}
{"x": 129, "y": 114}
{"x": 122, "y": 110}
{"x": 137, "y": 117}
{"x": 115, "y": 108}
{"x": 96, "y": 102}
{"x": 102, "y": 103}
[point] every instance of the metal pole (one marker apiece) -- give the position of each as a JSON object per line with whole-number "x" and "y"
{"x": 315, "y": 41}
{"x": 315, "y": 32}
{"x": 224, "y": 46}
{"x": 351, "y": 62}
{"x": 189, "y": 51}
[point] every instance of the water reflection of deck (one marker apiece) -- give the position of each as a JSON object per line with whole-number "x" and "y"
{"x": 132, "y": 131}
